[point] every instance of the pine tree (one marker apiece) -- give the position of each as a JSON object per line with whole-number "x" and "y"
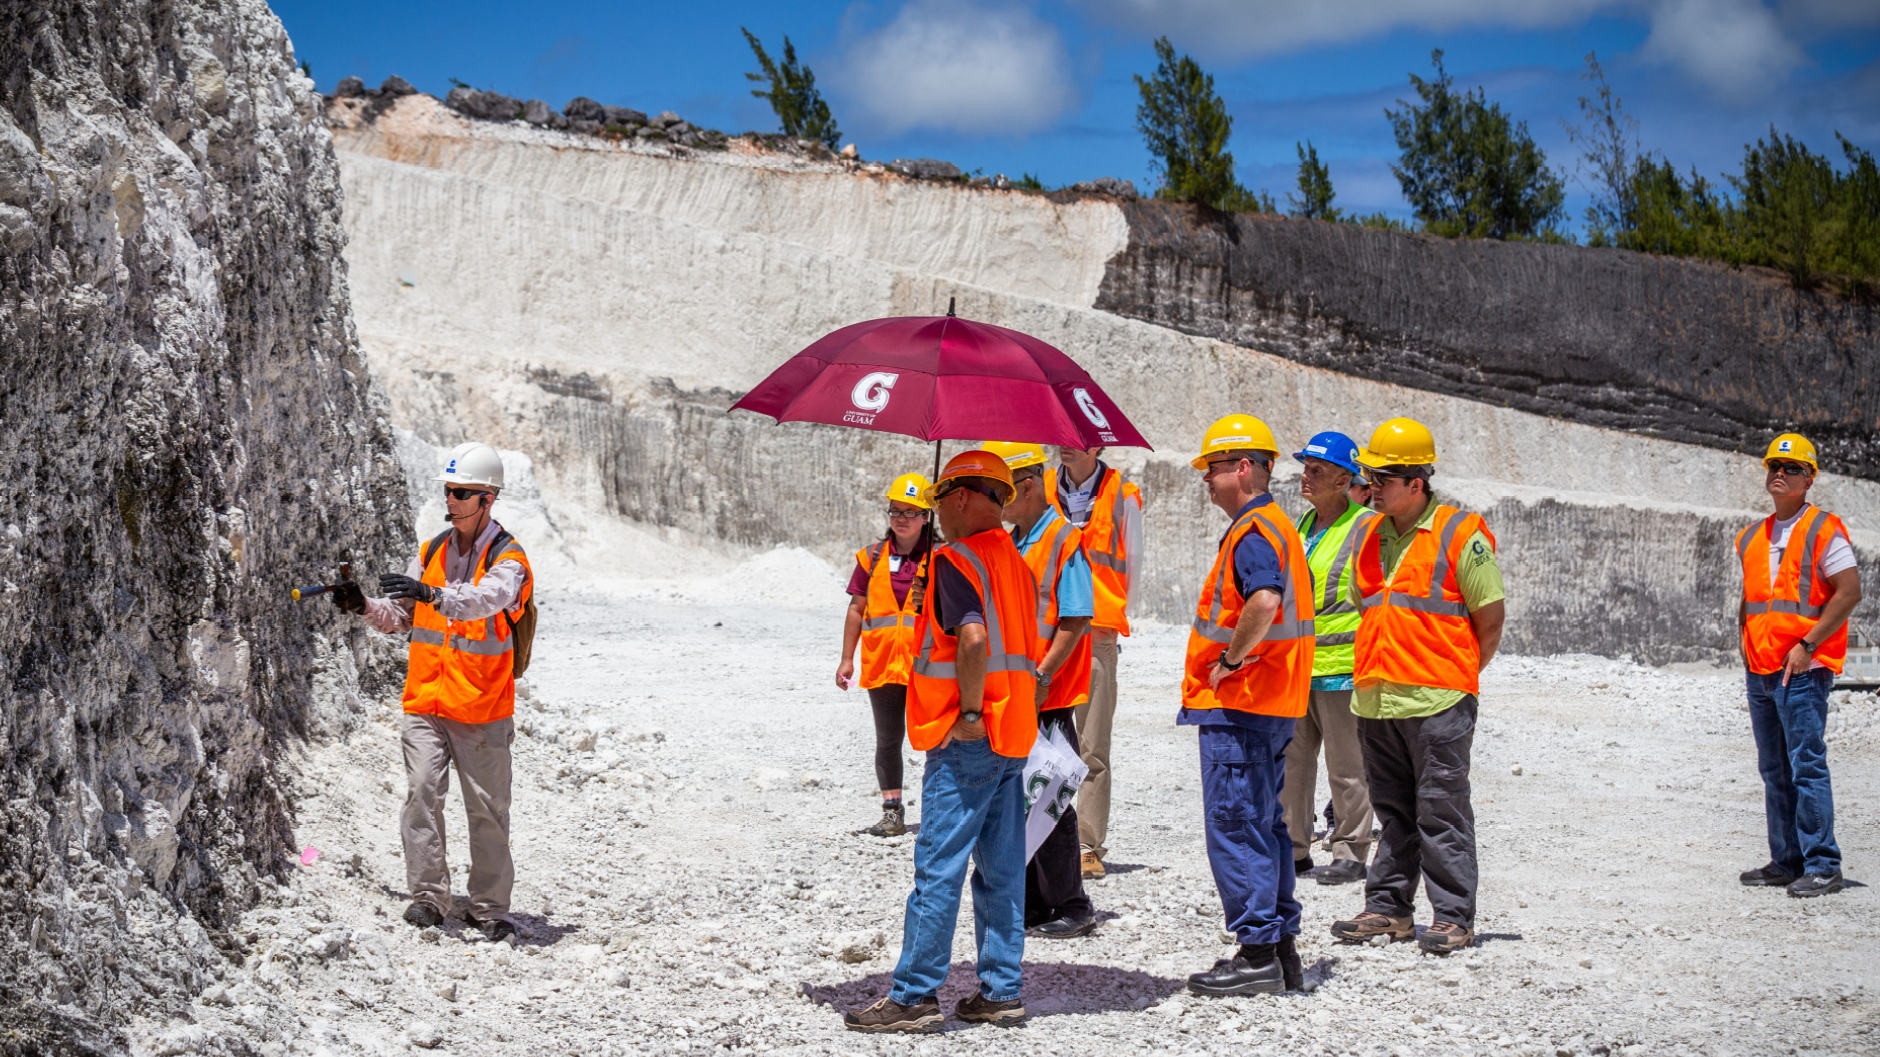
{"x": 1185, "y": 125}
{"x": 1314, "y": 200}
{"x": 792, "y": 94}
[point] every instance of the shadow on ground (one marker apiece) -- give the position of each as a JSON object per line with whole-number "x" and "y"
{"x": 1051, "y": 988}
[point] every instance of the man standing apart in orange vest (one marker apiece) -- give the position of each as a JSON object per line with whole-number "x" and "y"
{"x": 970, "y": 709}
{"x": 1429, "y": 594}
{"x": 1056, "y": 906}
{"x": 1107, "y": 508}
{"x": 456, "y": 599}
{"x": 1800, "y": 582}
{"x": 1246, "y": 681}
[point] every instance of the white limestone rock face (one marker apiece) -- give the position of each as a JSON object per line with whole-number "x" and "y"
{"x": 189, "y": 431}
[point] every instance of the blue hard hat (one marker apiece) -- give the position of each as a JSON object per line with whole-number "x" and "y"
{"x": 1333, "y": 447}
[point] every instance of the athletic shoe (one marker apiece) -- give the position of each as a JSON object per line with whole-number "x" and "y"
{"x": 423, "y": 915}
{"x": 1092, "y": 866}
{"x": 1339, "y": 872}
{"x": 1770, "y": 876}
{"x": 889, "y": 1015}
{"x": 893, "y": 820}
{"x": 982, "y": 1010}
{"x": 1255, "y": 969}
{"x": 1817, "y": 884}
{"x": 1064, "y": 928}
{"x": 1368, "y": 924}
{"x": 1442, "y": 937}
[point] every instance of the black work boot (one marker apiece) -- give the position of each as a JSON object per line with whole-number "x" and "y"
{"x": 1291, "y": 966}
{"x": 1254, "y": 970}
{"x": 1770, "y": 876}
{"x": 893, "y": 820}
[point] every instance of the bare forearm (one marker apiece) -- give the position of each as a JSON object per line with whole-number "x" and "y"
{"x": 970, "y": 667}
{"x": 1063, "y": 644}
{"x": 1256, "y": 619}
{"x": 1841, "y": 606}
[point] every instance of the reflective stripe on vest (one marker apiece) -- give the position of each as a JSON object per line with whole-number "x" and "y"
{"x": 1331, "y": 601}
{"x": 1805, "y": 586}
{"x": 1432, "y": 600}
{"x": 995, "y": 640}
{"x": 1210, "y": 627}
{"x": 1047, "y": 586}
{"x": 1779, "y": 611}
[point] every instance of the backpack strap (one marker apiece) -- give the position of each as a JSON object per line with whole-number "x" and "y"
{"x": 430, "y": 549}
{"x": 496, "y": 546}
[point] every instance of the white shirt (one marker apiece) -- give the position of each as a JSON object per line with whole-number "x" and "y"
{"x": 1838, "y": 556}
{"x": 458, "y": 599}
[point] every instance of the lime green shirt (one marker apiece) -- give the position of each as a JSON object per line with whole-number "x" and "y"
{"x": 1478, "y": 577}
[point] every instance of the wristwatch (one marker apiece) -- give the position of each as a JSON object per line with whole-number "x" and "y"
{"x": 1226, "y": 667}
{"x": 1809, "y": 647}
{"x": 1044, "y": 679}
{"x": 971, "y": 717}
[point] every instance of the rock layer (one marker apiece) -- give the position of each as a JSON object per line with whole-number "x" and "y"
{"x": 190, "y": 430}
{"x": 1686, "y": 350}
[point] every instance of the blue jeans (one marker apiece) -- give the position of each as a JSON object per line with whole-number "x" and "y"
{"x": 971, "y": 807}
{"x": 1793, "y": 758}
{"x": 1242, "y": 770}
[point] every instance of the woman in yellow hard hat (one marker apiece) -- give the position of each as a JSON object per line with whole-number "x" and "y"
{"x": 884, "y": 599}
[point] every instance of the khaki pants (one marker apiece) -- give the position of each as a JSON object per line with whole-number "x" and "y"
{"x": 1095, "y": 717}
{"x": 480, "y": 752}
{"x": 1328, "y": 721}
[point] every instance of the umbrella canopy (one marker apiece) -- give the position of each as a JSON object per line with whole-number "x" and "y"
{"x": 943, "y": 378}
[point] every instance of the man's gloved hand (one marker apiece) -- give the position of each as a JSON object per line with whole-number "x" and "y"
{"x": 397, "y": 586}
{"x": 349, "y": 597}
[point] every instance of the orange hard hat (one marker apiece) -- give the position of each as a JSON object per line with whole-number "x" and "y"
{"x": 976, "y": 463}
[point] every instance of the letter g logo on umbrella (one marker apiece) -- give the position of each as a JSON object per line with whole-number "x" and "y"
{"x": 871, "y": 393}
{"x": 1090, "y": 409}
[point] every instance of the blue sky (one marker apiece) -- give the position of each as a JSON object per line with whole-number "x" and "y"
{"x": 1046, "y": 87}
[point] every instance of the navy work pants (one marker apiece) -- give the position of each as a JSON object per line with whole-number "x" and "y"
{"x": 1242, "y": 770}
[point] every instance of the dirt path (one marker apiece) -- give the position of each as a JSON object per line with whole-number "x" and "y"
{"x": 688, "y": 787}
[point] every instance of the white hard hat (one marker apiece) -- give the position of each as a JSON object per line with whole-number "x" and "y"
{"x": 473, "y": 464}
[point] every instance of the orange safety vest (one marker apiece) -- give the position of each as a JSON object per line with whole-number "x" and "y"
{"x": 992, "y": 564}
{"x": 1414, "y": 628}
{"x": 465, "y": 669}
{"x": 1106, "y": 542}
{"x": 1777, "y": 617}
{"x": 1047, "y": 556}
{"x": 888, "y": 633}
{"x": 1276, "y": 678}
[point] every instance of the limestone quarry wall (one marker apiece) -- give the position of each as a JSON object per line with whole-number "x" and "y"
{"x": 189, "y": 430}
{"x": 524, "y": 286}
{"x": 1685, "y": 350}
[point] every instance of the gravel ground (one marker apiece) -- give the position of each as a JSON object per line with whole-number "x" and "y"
{"x": 689, "y": 785}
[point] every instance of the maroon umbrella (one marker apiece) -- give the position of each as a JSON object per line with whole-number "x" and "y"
{"x": 943, "y": 378}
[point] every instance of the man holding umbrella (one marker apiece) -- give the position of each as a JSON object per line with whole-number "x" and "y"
{"x": 970, "y": 709}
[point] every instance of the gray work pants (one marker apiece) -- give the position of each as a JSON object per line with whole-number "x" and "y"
{"x": 1094, "y": 719}
{"x": 1419, "y": 775}
{"x": 1328, "y": 721}
{"x": 480, "y": 752}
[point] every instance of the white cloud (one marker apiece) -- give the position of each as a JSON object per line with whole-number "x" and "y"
{"x": 1733, "y": 47}
{"x": 955, "y": 66}
{"x": 1242, "y": 28}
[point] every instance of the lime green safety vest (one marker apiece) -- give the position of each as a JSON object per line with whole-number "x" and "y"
{"x": 1336, "y": 622}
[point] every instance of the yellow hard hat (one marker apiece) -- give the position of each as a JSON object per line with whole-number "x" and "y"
{"x": 1793, "y": 447}
{"x": 909, "y": 488}
{"x": 1235, "y": 433}
{"x": 976, "y": 463}
{"x": 1400, "y": 442}
{"x": 1017, "y": 456}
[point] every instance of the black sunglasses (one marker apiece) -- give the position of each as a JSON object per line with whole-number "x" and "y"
{"x": 1791, "y": 469}
{"x": 463, "y": 493}
{"x": 956, "y": 485}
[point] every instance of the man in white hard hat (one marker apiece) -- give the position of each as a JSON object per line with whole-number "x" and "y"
{"x": 460, "y": 599}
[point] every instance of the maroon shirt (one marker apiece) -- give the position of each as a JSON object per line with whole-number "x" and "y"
{"x": 900, "y": 579}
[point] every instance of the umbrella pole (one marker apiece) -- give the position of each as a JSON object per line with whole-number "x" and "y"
{"x": 936, "y": 477}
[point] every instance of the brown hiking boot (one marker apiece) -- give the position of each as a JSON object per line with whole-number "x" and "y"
{"x": 889, "y": 1015}
{"x": 977, "y": 1007}
{"x": 1443, "y": 937}
{"x": 893, "y": 820}
{"x": 1368, "y": 924}
{"x": 1093, "y": 866}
